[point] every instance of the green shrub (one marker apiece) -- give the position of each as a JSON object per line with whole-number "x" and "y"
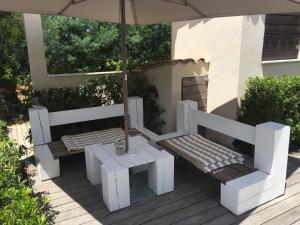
{"x": 274, "y": 99}
{"x": 18, "y": 205}
{"x": 139, "y": 86}
{"x": 104, "y": 91}
{"x": 3, "y": 130}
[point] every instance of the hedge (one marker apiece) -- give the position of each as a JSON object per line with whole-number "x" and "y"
{"x": 106, "y": 90}
{"x": 274, "y": 99}
{"x": 18, "y": 205}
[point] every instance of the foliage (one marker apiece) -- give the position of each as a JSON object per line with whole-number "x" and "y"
{"x": 79, "y": 45}
{"x": 274, "y": 99}
{"x": 13, "y": 61}
{"x": 18, "y": 205}
{"x": 3, "y": 129}
{"x": 103, "y": 91}
{"x": 72, "y": 45}
{"x": 139, "y": 86}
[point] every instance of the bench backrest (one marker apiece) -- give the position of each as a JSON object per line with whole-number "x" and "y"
{"x": 271, "y": 140}
{"x": 41, "y": 120}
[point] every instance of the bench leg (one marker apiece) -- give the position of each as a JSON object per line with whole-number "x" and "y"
{"x": 47, "y": 166}
{"x": 230, "y": 198}
{"x": 115, "y": 188}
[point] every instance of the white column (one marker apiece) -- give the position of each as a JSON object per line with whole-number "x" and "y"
{"x": 271, "y": 148}
{"x": 183, "y": 124}
{"x": 40, "y": 128}
{"x": 136, "y": 112}
{"x": 35, "y": 46}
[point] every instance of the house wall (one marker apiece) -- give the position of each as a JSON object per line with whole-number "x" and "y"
{"x": 253, "y": 28}
{"x": 210, "y": 39}
{"x": 281, "y": 67}
{"x": 167, "y": 79}
{"x": 234, "y": 55}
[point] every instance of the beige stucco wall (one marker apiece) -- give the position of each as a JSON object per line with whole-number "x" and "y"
{"x": 251, "y": 50}
{"x": 167, "y": 80}
{"x": 37, "y": 61}
{"x": 160, "y": 76}
{"x": 219, "y": 42}
{"x": 281, "y": 67}
{"x": 233, "y": 46}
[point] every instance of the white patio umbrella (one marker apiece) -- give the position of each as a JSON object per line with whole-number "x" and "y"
{"x": 148, "y": 12}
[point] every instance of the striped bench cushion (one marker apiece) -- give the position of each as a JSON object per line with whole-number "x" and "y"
{"x": 203, "y": 153}
{"x": 79, "y": 141}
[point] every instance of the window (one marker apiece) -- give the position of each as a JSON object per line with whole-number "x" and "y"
{"x": 282, "y": 35}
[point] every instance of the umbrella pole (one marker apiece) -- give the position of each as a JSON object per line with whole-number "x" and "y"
{"x": 124, "y": 71}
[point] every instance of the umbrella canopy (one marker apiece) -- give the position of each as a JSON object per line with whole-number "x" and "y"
{"x": 151, "y": 11}
{"x": 147, "y": 12}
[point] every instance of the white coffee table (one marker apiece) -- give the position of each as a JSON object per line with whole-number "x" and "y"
{"x": 104, "y": 166}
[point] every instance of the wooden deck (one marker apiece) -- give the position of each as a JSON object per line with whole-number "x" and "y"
{"x": 194, "y": 201}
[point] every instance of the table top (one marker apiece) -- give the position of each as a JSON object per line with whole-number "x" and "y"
{"x": 145, "y": 153}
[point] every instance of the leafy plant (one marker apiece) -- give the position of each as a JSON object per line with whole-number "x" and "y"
{"x": 104, "y": 91}
{"x": 139, "y": 86}
{"x": 18, "y": 205}
{"x": 13, "y": 61}
{"x": 274, "y": 99}
{"x": 3, "y": 130}
{"x": 79, "y": 45}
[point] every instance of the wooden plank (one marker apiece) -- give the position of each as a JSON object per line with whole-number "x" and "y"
{"x": 83, "y": 218}
{"x": 288, "y": 217}
{"x": 141, "y": 206}
{"x": 223, "y": 125}
{"x": 193, "y": 95}
{"x": 204, "y": 209}
{"x": 77, "y": 197}
{"x": 195, "y": 89}
{"x": 230, "y": 218}
{"x": 279, "y": 55}
{"x": 281, "y": 38}
{"x": 72, "y": 192}
{"x": 204, "y": 216}
{"x": 148, "y": 205}
{"x": 178, "y": 206}
{"x": 65, "y": 216}
{"x": 285, "y": 28}
{"x": 86, "y": 114}
{"x": 293, "y": 179}
{"x": 196, "y": 80}
{"x": 243, "y": 168}
{"x": 231, "y": 172}
{"x": 80, "y": 204}
{"x": 282, "y": 19}
{"x": 204, "y": 198}
{"x": 272, "y": 211}
{"x": 58, "y": 149}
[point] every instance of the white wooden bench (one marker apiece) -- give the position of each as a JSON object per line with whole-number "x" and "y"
{"x": 47, "y": 153}
{"x": 104, "y": 166}
{"x": 271, "y": 141}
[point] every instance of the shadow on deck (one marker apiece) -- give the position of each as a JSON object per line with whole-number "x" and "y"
{"x": 194, "y": 201}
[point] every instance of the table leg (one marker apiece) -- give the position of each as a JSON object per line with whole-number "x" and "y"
{"x": 115, "y": 188}
{"x": 161, "y": 174}
{"x": 92, "y": 167}
{"x": 156, "y": 177}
